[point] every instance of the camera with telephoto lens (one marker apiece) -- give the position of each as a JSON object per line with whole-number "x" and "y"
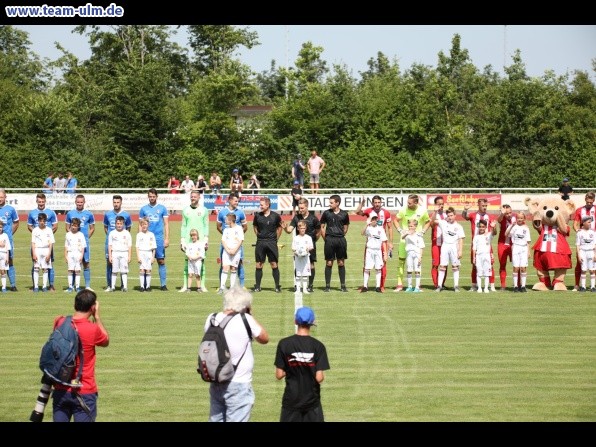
{"x": 42, "y": 400}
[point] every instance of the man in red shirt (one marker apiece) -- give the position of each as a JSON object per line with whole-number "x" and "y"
{"x": 66, "y": 404}
{"x": 505, "y": 219}
{"x": 385, "y": 217}
{"x": 474, "y": 218}
{"x": 437, "y": 239}
{"x": 583, "y": 211}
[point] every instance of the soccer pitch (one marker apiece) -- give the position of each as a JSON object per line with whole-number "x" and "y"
{"x": 397, "y": 357}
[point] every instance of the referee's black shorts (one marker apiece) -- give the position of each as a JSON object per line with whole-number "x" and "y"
{"x": 266, "y": 249}
{"x": 313, "y": 254}
{"x": 336, "y": 248}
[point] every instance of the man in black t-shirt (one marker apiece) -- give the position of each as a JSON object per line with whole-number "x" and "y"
{"x": 565, "y": 190}
{"x": 313, "y": 229}
{"x": 267, "y": 227}
{"x": 335, "y": 223}
{"x": 302, "y": 360}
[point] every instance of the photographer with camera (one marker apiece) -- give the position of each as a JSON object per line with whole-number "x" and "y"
{"x": 77, "y": 403}
{"x": 233, "y": 401}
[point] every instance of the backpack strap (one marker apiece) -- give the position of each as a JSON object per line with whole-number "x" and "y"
{"x": 225, "y": 322}
{"x": 69, "y": 320}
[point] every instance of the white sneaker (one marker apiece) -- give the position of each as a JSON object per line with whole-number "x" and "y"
{"x": 183, "y": 289}
{"x": 485, "y": 290}
{"x": 474, "y": 288}
{"x": 89, "y": 289}
{"x": 479, "y": 290}
{"x": 204, "y": 289}
{"x": 109, "y": 289}
{"x": 492, "y": 288}
{"x": 305, "y": 291}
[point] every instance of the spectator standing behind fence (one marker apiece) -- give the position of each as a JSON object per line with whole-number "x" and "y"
{"x": 315, "y": 166}
{"x": 565, "y": 190}
{"x": 201, "y": 185}
{"x": 10, "y": 218}
{"x": 301, "y": 359}
{"x": 236, "y": 183}
{"x": 159, "y": 225}
{"x": 48, "y": 184}
{"x": 298, "y": 170}
{"x": 109, "y": 224}
{"x": 233, "y": 401}
{"x": 59, "y": 183}
{"x": 66, "y": 404}
{"x": 254, "y": 185}
{"x": 187, "y": 185}
{"x": 71, "y": 183}
{"x": 173, "y": 188}
{"x": 215, "y": 183}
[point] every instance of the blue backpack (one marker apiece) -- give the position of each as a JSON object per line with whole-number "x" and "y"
{"x": 59, "y": 355}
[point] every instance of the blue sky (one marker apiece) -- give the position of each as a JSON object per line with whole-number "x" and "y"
{"x": 561, "y": 48}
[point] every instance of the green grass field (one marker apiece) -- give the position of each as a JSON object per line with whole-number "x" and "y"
{"x": 394, "y": 357}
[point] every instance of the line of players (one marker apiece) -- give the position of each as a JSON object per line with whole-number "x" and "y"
{"x": 409, "y": 250}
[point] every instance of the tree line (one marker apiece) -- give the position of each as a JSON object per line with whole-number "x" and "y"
{"x": 142, "y": 107}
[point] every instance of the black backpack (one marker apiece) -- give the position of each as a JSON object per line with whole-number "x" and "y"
{"x": 214, "y": 360}
{"x": 59, "y": 355}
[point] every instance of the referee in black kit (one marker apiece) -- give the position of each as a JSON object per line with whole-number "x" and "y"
{"x": 267, "y": 226}
{"x": 334, "y": 226}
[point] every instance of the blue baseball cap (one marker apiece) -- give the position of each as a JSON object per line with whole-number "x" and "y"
{"x": 235, "y": 170}
{"x": 305, "y": 315}
{"x": 565, "y": 179}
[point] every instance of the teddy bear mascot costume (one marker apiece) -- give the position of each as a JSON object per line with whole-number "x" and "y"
{"x": 551, "y": 250}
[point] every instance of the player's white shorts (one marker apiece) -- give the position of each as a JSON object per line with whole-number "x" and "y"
{"x": 302, "y": 265}
{"x": 41, "y": 254}
{"x": 586, "y": 257}
{"x": 146, "y": 257}
{"x": 449, "y": 255}
{"x": 4, "y": 260}
{"x": 194, "y": 267}
{"x": 373, "y": 259}
{"x": 119, "y": 262}
{"x": 519, "y": 255}
{"x": 413, "y": 262}
{"x": 231, "y": 261}
{"x": 483, "y": 265}
{"x": 74, "y": 261}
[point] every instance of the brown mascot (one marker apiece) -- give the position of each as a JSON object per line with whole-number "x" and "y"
{"x": 551, "y": 251}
